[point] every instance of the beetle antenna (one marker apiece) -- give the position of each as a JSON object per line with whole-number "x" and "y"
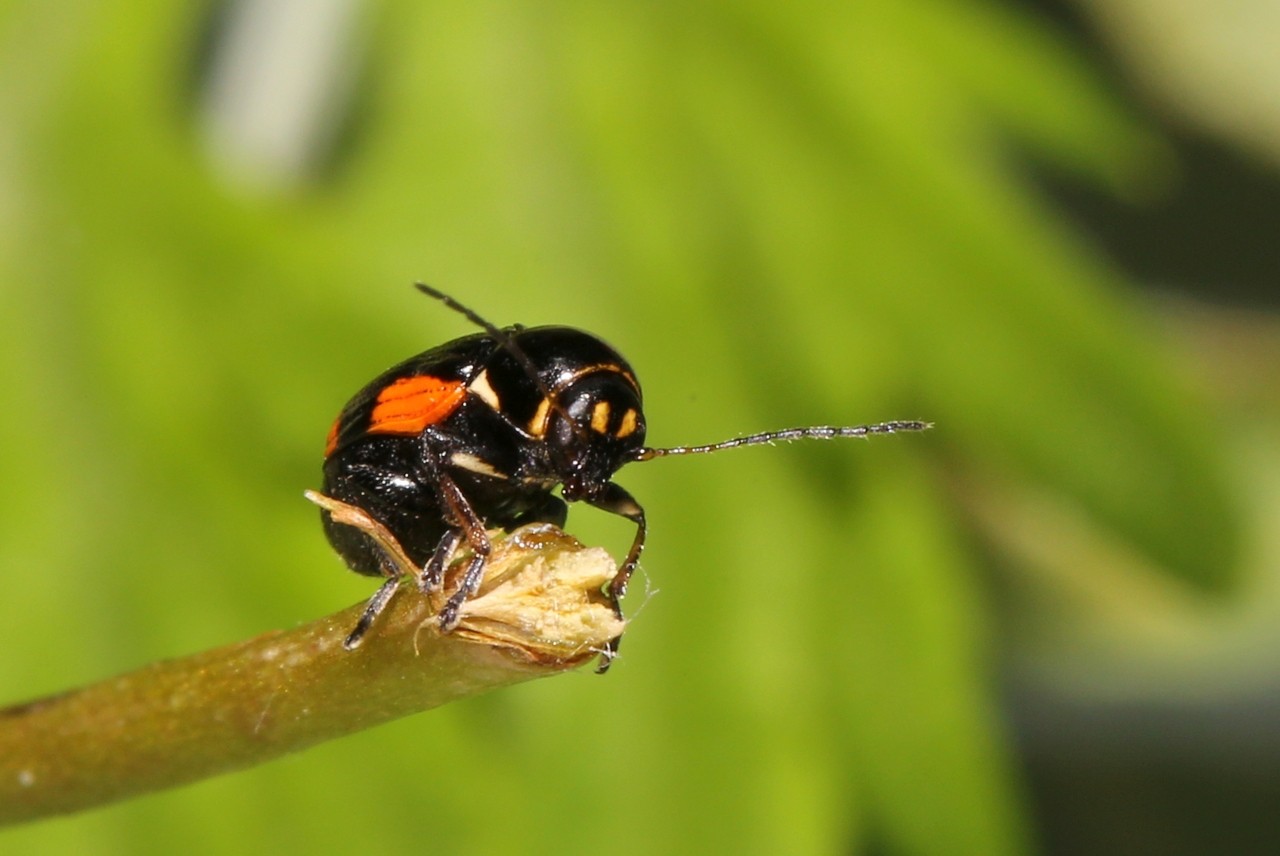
{"x": 502, "y": 337}
{"x": 816, "y": 432}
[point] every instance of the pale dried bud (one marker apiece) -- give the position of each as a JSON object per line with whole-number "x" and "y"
{"x": 541, "y": 595}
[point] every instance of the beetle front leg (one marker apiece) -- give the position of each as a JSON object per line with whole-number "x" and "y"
{"x": 615, "y": 500}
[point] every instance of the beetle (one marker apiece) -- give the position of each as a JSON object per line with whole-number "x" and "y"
{"x": 477, "y": 434}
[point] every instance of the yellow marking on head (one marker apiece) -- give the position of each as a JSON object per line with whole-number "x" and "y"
{"x": 600, "y": 417}
{"x": 485, "y": 391}
{"x": 628, "y": 426}
{"x": 538, "y": 424}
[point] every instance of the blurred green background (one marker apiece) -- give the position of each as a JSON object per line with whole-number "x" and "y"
{"x": 1045, "y": 626}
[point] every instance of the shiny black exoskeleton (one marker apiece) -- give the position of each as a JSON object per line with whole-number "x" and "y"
{"x": 475, "y": 435}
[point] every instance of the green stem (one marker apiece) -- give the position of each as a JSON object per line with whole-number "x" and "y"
{"x": 182, "y": 720}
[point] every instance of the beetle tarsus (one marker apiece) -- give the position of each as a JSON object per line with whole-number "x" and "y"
{"x": 432, "y": 576}
{"x": 372, "y": 610}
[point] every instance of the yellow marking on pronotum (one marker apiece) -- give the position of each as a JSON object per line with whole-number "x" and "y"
{"x": 600, "y": 417}
{"x": 628, "y": 426}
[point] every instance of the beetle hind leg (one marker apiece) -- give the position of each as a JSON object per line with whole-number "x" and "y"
{"x": 372, "y": 610}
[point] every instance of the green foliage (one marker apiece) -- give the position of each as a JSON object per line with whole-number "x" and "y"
{"x": 781, "y": 214}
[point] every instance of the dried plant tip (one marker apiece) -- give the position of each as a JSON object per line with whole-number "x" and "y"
{"x": 541, "y": 596}
{"x": 354, "y": 515}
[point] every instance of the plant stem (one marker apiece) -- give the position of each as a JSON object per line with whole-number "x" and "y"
{"x": 181, "y": 720}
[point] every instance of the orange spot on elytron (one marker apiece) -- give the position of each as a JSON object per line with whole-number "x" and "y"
{"x": 331, "y": 442}
{"x": 413, "y": 403}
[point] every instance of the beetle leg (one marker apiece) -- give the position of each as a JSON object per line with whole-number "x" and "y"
{"x": 467, "y": 523}
{"x": 372, "y": 610}
{"x": 615, "y": 500}
{"x": 432, "y": 576}
{"x": 553, "y": 510}
{"x": 392, "y": 562}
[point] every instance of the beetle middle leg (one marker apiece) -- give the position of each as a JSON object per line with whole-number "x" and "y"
{"x": 466, "y": 523}
{"x": 432, "y": 576}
